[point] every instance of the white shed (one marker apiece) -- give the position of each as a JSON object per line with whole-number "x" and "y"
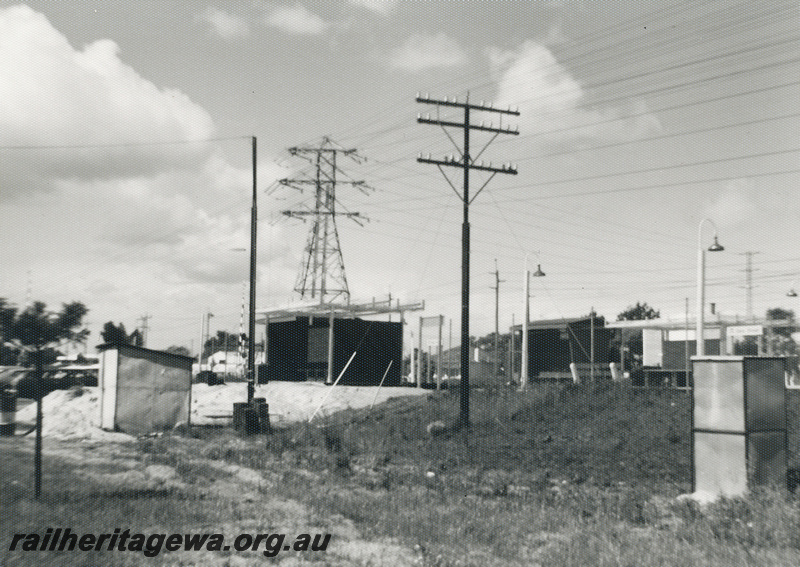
{"x": 142, "y": 390}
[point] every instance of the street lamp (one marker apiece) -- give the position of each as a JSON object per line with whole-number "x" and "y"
{"x": 523, "y": 377}
{"x": 701, "y": 282}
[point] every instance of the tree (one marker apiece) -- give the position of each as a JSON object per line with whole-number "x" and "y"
{"x": 631, "y": 339}
{"x": 175, "y": 349}
{"x": 638, "y": 312}
{"x": 224, "y": 341}
{"x": 31, "y": 332}
{"x": 8, "y": 354}
{"x": 136, "y": 338}
{"x": 117, "y": 335}
{"x": 35, "y": 328}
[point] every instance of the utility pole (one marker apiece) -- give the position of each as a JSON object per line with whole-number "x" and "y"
{"x": 144, "y": 328}
{"x": 323, "y": 261}
{"x": 466, "y": 162}
{"x": 205, "y": 334}
{"x": 591, "y": 346}
{"x": 749, "y": 282}
{"x": 251, "y": 328}
{"x": 496, "y": 288}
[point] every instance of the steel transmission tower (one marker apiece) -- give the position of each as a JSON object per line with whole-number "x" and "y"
{"x": 749, "y": 282}
{"x": 466, "y": 161}
{"x": 322, "y": 274}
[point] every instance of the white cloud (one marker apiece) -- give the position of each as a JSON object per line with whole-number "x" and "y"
{"x": 296, "y": 20}
{"x": 735, "y": 204}
{"x": 422, "y": 52}
{"x": 552, "y": 103}
{"x": 54, "y": 95}
{"x": 381, "y": 7}
{"x": 224, "y": 24}
{"x": 129, "y": 222}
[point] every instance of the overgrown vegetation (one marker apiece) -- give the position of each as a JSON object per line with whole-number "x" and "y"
{"x": 561, "y": 475}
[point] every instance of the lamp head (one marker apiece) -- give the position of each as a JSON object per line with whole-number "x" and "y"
{"x": 791, "y": 293}
{"x": 538, "y": 273}
{"x": 716, "y": 247}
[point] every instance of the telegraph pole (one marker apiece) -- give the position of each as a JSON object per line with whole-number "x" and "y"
{"x": 465, "y": 162}
{"x": 496, "y": 289}
{"x": 251, "y": 328}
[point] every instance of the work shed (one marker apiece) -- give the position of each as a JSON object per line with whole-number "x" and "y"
{"x": 143, "y": 391}
{"x": 321, "y": 341}
{"x": 555, "y": 344}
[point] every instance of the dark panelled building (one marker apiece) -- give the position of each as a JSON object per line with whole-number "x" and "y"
{"x": 554, "y": 345}
{"x": 297, "y": 349}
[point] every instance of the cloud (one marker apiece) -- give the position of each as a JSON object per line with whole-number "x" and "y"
{"x": 735, "y": 204}
{"x": 57, "y": 96}
{"x": 224, "y": 24}
{"x": 552, "y": 103}
{"x": 296, "y": 20}
{"x": 113, "y": 212}
{"x": 422, "y": 52}
{"x": 380, "y": 7}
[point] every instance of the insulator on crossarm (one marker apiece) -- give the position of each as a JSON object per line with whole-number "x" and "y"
{"x": 417, "y": 94}
{"x": 429, "y": 156}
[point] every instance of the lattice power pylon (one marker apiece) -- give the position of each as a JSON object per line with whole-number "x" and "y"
{"x": 322, "y": 273}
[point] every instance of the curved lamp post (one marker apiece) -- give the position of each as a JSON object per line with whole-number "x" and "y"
{"x": 523, "y": 369}
{"x": 701, "y": 282}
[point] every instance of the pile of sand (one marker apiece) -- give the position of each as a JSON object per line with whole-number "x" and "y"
{"x": 75, "y": 414}
{"x": 69, "y": 414}
{"x": 288, "y": 401}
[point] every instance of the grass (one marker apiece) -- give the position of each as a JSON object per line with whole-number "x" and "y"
{"x": 560, "y": 475}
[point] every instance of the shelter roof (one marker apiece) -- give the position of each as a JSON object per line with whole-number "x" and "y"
{"x": 561, "y": 323}
{"x": 317, "y": 309}
{"x": 726, "y": 321}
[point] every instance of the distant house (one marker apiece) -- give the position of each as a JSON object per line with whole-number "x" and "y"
{"x": 229, "y": 364}
{"x": 669, "y": 344}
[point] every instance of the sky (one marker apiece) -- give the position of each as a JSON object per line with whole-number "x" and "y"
{"x": 126, "y": 171}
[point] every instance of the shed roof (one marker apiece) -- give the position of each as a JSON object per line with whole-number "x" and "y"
{"x": 561, "y": 323}
{"x": 317, "y": 309}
